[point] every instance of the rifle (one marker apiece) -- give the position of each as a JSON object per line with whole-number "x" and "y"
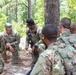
{"x": 30, "y": 41}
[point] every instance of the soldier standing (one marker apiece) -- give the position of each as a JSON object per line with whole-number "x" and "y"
{"x": 12, "y": 40}
{"x": 33, "y": 35}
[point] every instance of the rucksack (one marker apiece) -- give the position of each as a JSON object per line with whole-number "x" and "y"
{"x": 68, "y": 54}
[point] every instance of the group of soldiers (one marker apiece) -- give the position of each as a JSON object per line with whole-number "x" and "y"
{"x": 51, "y": 55}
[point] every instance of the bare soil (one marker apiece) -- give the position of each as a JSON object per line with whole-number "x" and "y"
{"x": 18, "y": 69}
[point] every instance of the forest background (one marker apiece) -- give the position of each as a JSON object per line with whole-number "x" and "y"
{"x": 16, "y": 12}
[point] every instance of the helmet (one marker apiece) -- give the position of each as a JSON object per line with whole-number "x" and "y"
{"x": 8, "y": 26}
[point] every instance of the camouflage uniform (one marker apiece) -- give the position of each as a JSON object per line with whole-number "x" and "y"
{"x": 32, "y": 37}
{"x": 49, "y": 63}
{"x": 58, "y": 59}
{"x": 72, "y": 40}
{"x": 1, "y": 58}
{"x": 40, "y": 46}
{"x": 34, "y": 34}
{"x": 65, "y": 33}
{"x": 14, "y": 39}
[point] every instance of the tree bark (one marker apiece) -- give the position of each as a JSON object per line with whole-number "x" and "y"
{"x": 29, "y": 8}
{"x": 52, "y": 11}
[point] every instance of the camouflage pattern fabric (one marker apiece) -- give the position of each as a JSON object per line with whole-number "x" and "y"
{"x": 1, "y": 58}
{"x": 68, "y": 53}
{"x": 65, "y": 33}
{"x": 35, "y": 34}
{"x": 49, "y": 63}
{"x": 58, "y": 59}
{"x": 14, "y": 39}
{"x": 1, "y": 63}
{"x": 71, "y": 39}
{"x": 41, "y": 46}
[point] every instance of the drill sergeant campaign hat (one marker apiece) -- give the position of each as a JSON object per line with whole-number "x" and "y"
{"x": 8, "y": 26}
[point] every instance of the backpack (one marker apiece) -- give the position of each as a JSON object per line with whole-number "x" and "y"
{"x": 68, "y": 54}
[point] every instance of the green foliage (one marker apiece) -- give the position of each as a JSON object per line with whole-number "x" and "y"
{"x": 38, "y": 11}
{"x": 67, "y": 9}
{"x": 2, "y": 21}
{"x": 19, "y": 27}
{"x": 71, "y": 4}
{"x": 22, "y": 14}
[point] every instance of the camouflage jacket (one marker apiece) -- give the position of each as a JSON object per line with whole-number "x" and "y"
{"x": 40, "y": 46}
{"x": 70, "y": 39}
{"x": 13, "y": 38}
{"x": 49, "y": 63}
{"x": 66, "y": 33}
{"x": 35, "y": 34}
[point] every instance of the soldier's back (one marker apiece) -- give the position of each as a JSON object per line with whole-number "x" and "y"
{"x": 49, "y": 63}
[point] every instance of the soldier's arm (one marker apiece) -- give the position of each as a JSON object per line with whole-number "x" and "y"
{"x": 39, "y": 31}
{"x": 40, "y": 67}
{"x": 17, "y": 41}
{"x": 36, "y": 45}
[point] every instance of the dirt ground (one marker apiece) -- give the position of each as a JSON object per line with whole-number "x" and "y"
{"x": 18, "y": 69}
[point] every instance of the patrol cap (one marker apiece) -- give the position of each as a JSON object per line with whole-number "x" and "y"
{"x": 30, "y": 22}
{"x": 8, "y": 26}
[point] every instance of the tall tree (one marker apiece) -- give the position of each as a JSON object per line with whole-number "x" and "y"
{"x": 29, "y": 8}
{"x": 52, "y": 11}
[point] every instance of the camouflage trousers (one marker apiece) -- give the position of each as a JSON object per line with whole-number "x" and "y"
{"x": 1, "y": 63}
{"x": 15, "y": 54}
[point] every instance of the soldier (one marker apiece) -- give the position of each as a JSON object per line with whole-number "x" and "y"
{"x": 1, "y": 58}
{"x": 72, "y": 37}
{"x": 33, "y": 32}
{"x": 49, "y": 62}
{"x": 73, "y": 28}
{"x": 65, "y": 26}
{"x": 33, "y": 36}
{"x": 12, "y": 40}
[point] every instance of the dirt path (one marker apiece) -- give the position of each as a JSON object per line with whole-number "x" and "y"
{"x": 19, "y": 69}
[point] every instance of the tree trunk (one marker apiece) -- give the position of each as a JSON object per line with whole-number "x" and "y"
{"x": 29, "y": 8}
{"x": 52, "y": 11}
